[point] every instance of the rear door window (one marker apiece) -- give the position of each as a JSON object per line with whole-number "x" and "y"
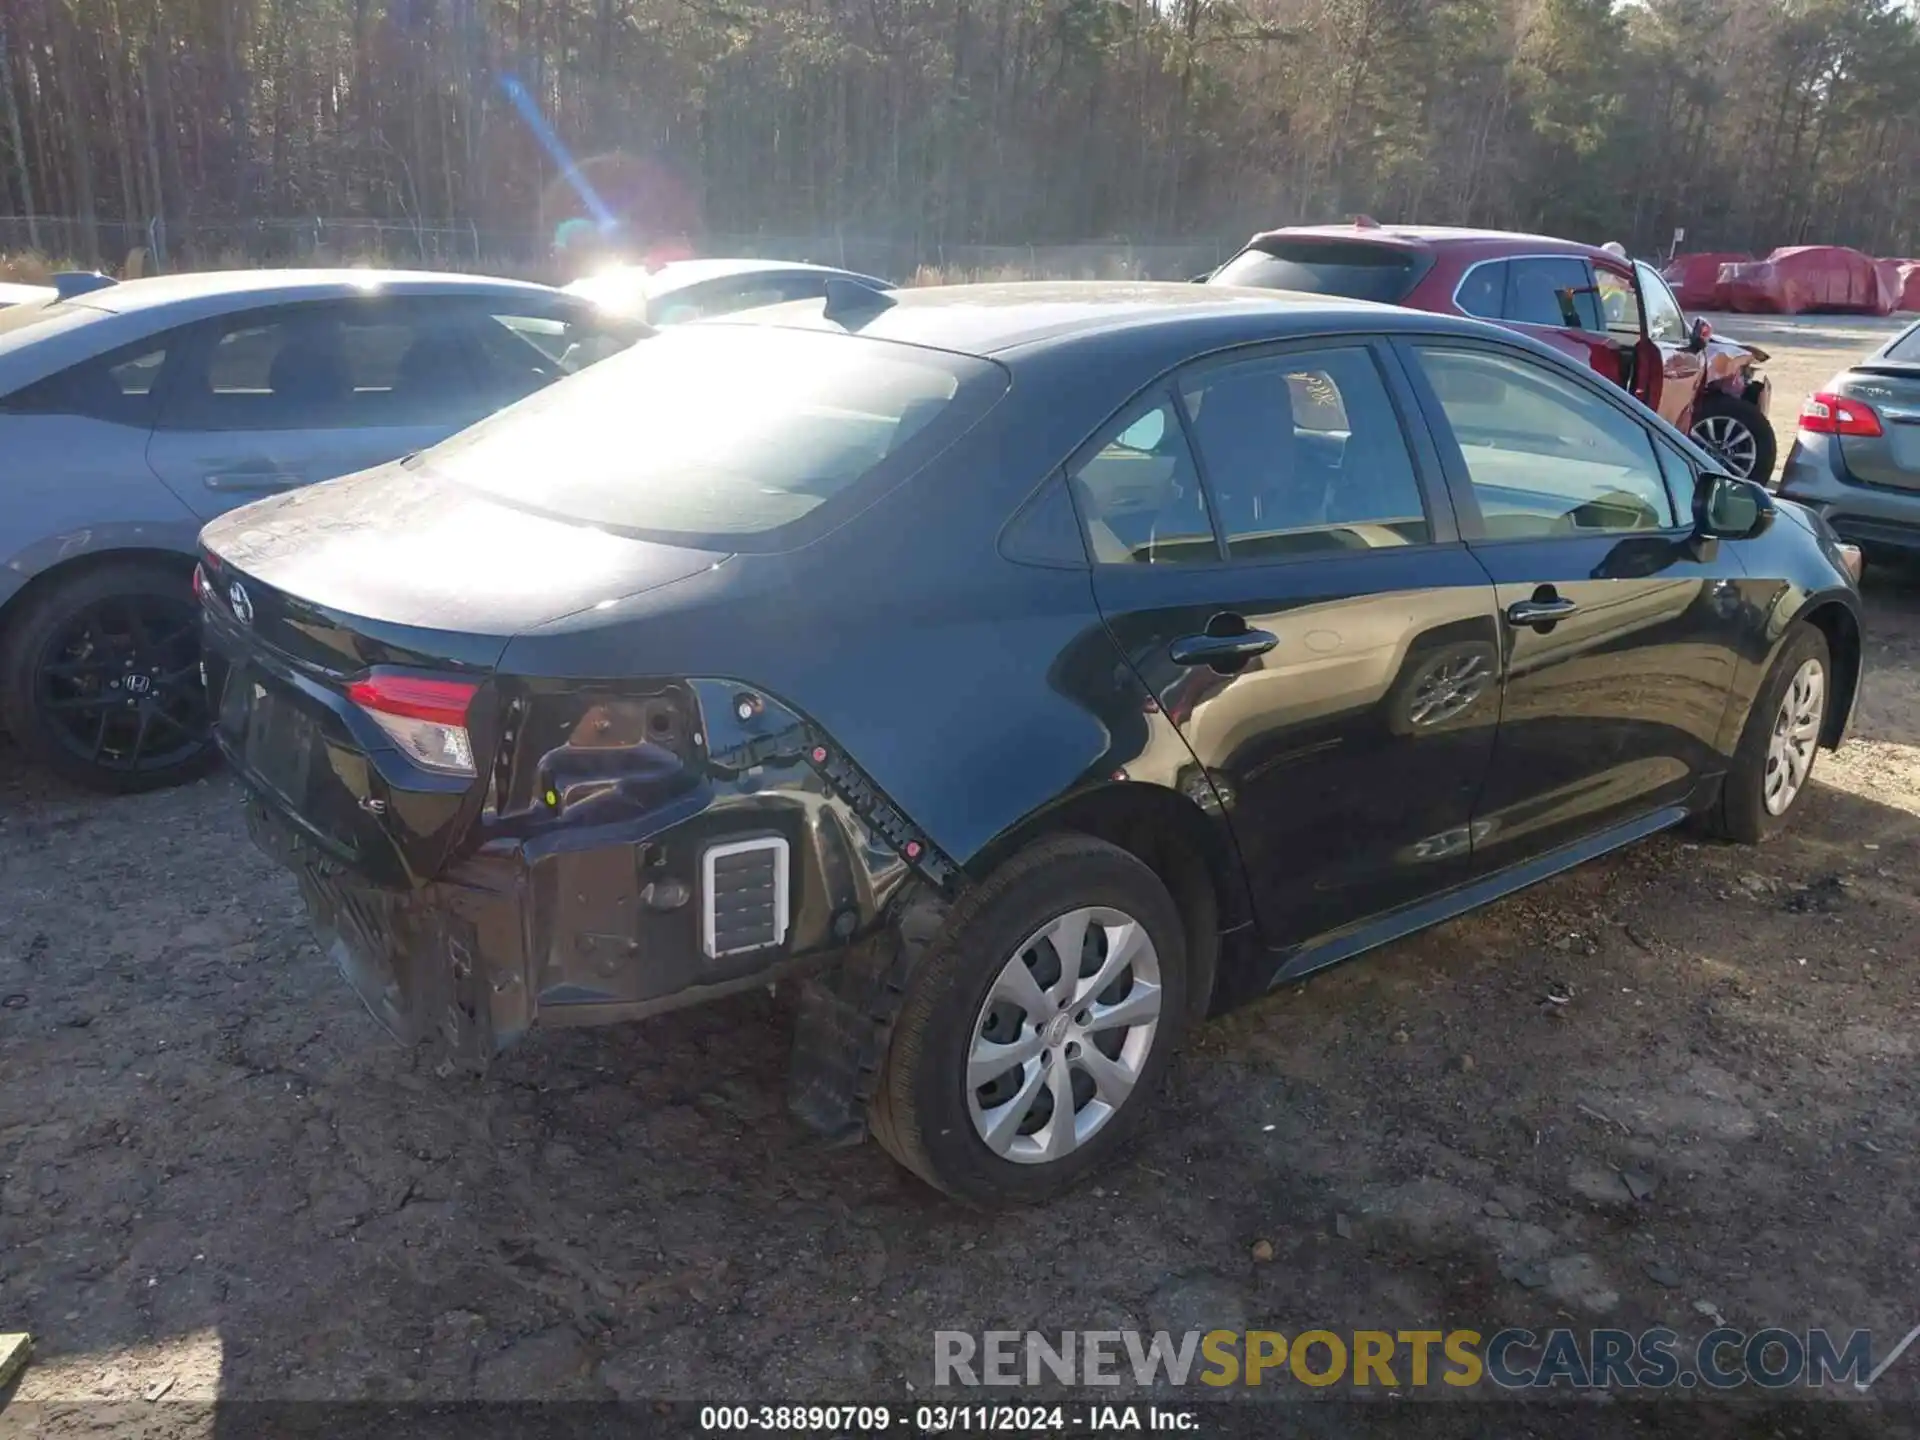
{"x": 1139, "y": 492}
{"x": 1303, "y": 454}
{"x": 350, "y": 365}
{"x": 1355, "y": 269}
{"x": 1483, "y": 290}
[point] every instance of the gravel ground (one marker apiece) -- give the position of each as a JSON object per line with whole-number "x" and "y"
{"x": 217, "y": 1176}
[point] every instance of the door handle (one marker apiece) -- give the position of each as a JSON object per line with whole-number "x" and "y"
{"x": 1541, "y": 611}
{"x": 252, "y": 480}
{"x": 1221, "y": 649}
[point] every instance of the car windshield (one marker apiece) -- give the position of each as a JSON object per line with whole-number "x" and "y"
{"x": 1907, "y": 346}
{"x": 722, "y": 431}
{"x": 1356, "y": 270}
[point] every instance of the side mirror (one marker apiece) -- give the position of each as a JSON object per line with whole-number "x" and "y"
{"x": 1698, "y": 336}
{"x": 1728, "y": 508}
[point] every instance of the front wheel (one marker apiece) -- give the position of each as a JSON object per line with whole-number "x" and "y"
{"x": 1737, "y": 433}
{"x": 1037, "y": 1026}
{"x": 1780, "y": 742}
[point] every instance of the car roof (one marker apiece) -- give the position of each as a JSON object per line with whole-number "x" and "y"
{"x": 16, "y": 294}
{"x": 1435, "y": 238}
{"x": 677, "y": 273}
{"x": 265, "y": 286}
{"x": 994, "y": 319}
{"x": 100, "y": 320}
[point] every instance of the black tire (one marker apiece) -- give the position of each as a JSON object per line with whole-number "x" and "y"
{"x": 1716, "y": 410}
{"x": 175, "y": 745}
{"x": 1742, "y": 812}
{"x": 920, "y": 1111}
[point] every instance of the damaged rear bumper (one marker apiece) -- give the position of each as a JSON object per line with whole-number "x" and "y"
{"x": 607, "y": 899}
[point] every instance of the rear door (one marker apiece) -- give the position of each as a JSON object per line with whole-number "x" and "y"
{"x": 276, "y": 398}
{"x": 1619, "y": 635}
{"x": 73, "y": 467}
{"x": 271, "y": 399}
{"x": 1276, "y": 558}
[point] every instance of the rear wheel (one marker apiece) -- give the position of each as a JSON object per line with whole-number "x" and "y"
{"x": 1781, "y": 740}
{"x": 100, "y": 679}
{"x": 1737, "y": 433}
{"x": 1037, "y": 1026}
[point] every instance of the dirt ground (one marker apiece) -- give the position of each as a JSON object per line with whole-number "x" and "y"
{"x": 218, "y": 1177}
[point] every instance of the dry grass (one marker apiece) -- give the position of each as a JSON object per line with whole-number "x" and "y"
{"x": 30, "y": 267}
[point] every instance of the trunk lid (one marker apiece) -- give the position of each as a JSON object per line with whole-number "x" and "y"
{"x": 387, "y": 573}
{"x": 1891, "y": 458}
{"x": 399, "y": 548}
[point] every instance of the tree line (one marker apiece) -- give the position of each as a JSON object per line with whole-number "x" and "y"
{"x": 1752, "y": 123}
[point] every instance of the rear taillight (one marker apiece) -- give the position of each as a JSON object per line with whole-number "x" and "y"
{"x": 199, "y": 582}
{"x": 1830, "y": 414}
{"x": 427, "y": 718}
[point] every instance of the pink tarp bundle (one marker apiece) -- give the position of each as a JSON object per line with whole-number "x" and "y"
{"x": 1696, "y": 278}
{"x": 1804, "y": 278}
{"x": 1909, "y": 272}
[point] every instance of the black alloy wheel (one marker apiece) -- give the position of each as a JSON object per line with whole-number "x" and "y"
{"x": 101, "y": 680}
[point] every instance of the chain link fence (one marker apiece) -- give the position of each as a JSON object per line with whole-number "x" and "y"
{"x": 31, "y": 245}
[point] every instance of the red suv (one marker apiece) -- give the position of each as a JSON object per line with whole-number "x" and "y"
{"x": 1614, "y": 314}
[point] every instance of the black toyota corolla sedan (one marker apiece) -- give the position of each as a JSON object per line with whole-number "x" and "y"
{"x": 1021, "y": 672}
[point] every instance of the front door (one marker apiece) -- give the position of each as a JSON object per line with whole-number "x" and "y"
{"x": 1620, "y": 632}
{"x": 1280, "y": 566}
{"x": 1682, "y": 366}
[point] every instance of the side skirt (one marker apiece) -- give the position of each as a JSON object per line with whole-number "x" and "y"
{"x": 1371, "y": 934}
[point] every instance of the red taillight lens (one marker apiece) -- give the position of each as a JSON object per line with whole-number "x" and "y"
{"x": 1830, "y": 414}
{"x": 199, "y": 582}
{"x": 426, "y": 717}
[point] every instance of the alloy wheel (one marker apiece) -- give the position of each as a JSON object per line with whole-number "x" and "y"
{"x": 1796, "y": 734}
{"x": 1732, "y": 440}
{"x": 119, "y": 684}
{"x": 1448, "y": 689}
{"x": 1063, "y": 1035}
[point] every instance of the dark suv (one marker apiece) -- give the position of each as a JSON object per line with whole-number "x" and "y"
{"x": 1604, "y": 310}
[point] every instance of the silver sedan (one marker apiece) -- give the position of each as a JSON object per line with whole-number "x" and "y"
{"x": 131, "y": 414}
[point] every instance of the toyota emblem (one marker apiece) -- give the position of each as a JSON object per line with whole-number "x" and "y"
{"x": 242, "y": 603}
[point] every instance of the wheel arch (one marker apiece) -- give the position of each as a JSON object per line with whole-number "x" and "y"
{"x": 1836, "y": 620}
{"x": 1171, "y": 835}
{"x": 84, "y": 563}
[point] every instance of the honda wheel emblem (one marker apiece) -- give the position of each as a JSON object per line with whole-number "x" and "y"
{"x": 242, "y": 603}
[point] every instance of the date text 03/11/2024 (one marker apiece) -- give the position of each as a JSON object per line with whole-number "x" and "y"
{"x": 946, "y": 1419}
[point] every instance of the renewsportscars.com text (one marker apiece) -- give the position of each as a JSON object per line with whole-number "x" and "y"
{"x": 1510, "y": 1359}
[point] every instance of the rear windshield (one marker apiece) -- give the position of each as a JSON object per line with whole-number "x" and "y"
{"x": 724, "y": 432}
{"x": 18, "y": 317}
{"x": 1907, "y": 346}
{"x": 1327, "y": 267}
